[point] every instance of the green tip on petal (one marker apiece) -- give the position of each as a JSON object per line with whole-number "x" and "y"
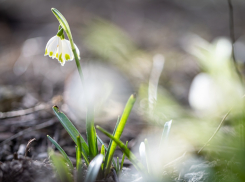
{"x": 60, "y": 58}
{"x": 67, "y": 57}
{"x": 51, "y": 53}
{"x": 46, "y": 52}
{"x": 57, "y": 55}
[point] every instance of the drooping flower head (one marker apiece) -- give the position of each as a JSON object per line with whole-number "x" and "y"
{"x": 60, "y": 48}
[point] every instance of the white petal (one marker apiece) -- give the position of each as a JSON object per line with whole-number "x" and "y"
{"x": 58, "y": 44}
{"x": 60, "y": 53}
{"x": 50, "y": 40}
{"x": 67, "y": 53}
{"x": 52, "y": 46}
{"x": 52, "y": 49}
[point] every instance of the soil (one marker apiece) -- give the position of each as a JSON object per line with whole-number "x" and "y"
{"x": 18, "y": 128}
{"x": 26, "y": 170}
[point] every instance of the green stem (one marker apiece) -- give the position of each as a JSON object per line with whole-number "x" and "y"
{"x": 91, "y": 133}
{"x": 78, "y": 63}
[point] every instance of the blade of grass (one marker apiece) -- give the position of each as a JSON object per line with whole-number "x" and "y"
{"x": 117, "y": 168}
{"x": 119, "y": 130}
{"x": 102, "y": 143}
{"x": 78, "y": 152}
{"x": 102, "y": 151}
{"x": 80, "y": 173}
{"x": 71, "y": 129}
{"x": 109, "y": 147}
{"x": 62, "y": 152}
{"x": 123, "y": 157}
{"x": 91, "y": 133}
{"x": 60, "y": 166}
{"x": 137, "y": 164}
{"x": 113, "y": 161}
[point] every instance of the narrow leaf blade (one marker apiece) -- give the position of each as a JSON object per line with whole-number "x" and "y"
{"x": 102, "y": 143}
{"x": 119, "y": 130}
{"x": 71, "y": 129}
{"x": 123, "y": 157}
{"x": 60, "y": 166}
{"x": 78, "y": 153}
{"x": 103, "y": 153}
{"x": 109, "y": 147}
{"x": 137, "y": 164}
{"x": 62, "y": 152}
{"x": 91, "y": 133}
{"x": 117, "y": 168}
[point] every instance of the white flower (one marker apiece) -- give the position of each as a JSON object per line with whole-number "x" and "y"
{"x": 60, "y": 49}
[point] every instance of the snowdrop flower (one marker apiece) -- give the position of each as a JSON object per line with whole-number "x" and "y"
{"x": 60, "y": 48}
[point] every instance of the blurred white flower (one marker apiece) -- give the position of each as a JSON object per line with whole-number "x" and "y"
{"x": 204, "y": 95}
{"x": 60, "y": 49}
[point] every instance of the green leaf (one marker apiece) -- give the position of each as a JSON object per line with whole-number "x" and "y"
{"x": 62, "y": 152}
{"x": 109, "y": 147}
{"x": 117, "y": 168}
{"x": 114, "y": 163}
{"x": 80, "y": 173}
{"x": 102, "y": 151}
{"x": 94, "y": 168}
{"x": 118, "y": 131}
{"x": 123, "y": 157}
{"x": 78, "y": 153}
{"x": 72, "y": 131}
{"x": 60, "y": 166}
{"x": 102, "y": 143}
{"x": 137, "y": 164}
{"x": 91, "y": 133}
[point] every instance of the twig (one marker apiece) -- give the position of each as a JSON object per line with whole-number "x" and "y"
{"x": 37, "y": 127}
{"x": 232, "y": 36}
{"x": 23, "y": 112}
{"x": 28, "y": 146}
{"x": 216, "y": 131}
